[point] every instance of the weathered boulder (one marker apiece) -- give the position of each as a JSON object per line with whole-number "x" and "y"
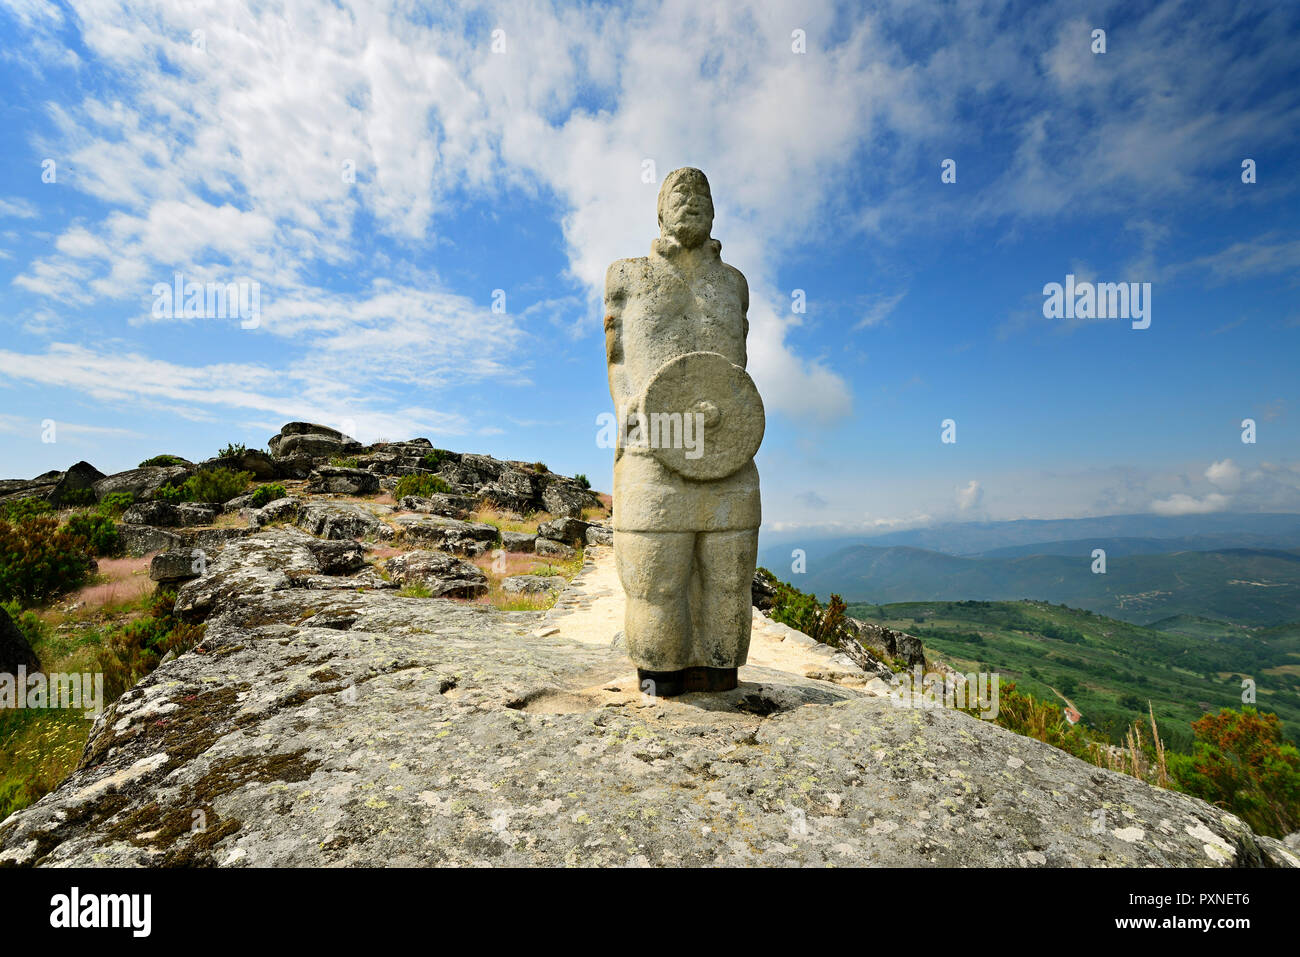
{"x": 143, "y": 483}
{"x": 887, "y": 642}
{"x": 452, "y": 506}
{"x": 142, "y": 539}
{"x": 277, "y": 510}
{"x": 448, "y": 534}
{"x": 338, "y": 557}
{"x": 15, "y": 651}
{"x": 176, "y": 566}
{"x": 571, "y": 531}
{"x": 763, "y": 590}
{"x": 326, "y": 727}
{"x": 76, "y": 485}
{"x": 255, "y": 461}
{"x": 553, "y": 549}
{"x": 518, "y": 541}
{"x": 533, "y": 584}
{"x": 565, "y": 497}
{"x": 251, "y": 566}
{"x": 310, "y": 440}
{"x": 444, "y": 575}
{"x": 336, "y": 480}
{"x": 342, "y": 520}
{"x": 599, "y": 535}
{"x": 512, "y": 489}
{"x": 169, "y": 515}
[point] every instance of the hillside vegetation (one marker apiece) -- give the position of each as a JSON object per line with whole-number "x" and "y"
{"x": 1110, "y": 669}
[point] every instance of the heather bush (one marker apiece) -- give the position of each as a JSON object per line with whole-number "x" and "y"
{"x": 422, "y": 485}
{"x": 267, "y": 493}
{"x": 39, "y": 560}
{"x": 163, "y": 460}
{"x": 17, "y": 509}
{"x": 99, "y": 530}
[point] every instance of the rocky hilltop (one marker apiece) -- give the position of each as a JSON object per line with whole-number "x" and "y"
{"x": 328, "y": 717}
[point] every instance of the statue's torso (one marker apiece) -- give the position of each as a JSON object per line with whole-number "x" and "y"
{"x": 679, "y": 305}
{"x": 691, "y": 302}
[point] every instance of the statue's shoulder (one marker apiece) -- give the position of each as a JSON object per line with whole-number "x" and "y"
{"x": 736, "y": 276}
{"x": 621, "y": 272}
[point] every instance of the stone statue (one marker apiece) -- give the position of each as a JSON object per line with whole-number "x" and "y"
{"x": 686, "y": 500}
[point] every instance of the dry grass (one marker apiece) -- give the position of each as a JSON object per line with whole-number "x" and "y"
{"x": 1133, "y": 758}
{"x": 122, "y": 585}
{"x": 505, "y": 522}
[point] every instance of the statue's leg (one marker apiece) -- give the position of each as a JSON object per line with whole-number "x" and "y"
{"x": 723, "y": 614}
{"x": 655, "y": 569}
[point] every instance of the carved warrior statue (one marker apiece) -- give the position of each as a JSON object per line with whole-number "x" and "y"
{"x": 686, "y": 500}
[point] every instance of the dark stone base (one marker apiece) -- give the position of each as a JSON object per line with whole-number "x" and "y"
{"x": 669, "y": 684}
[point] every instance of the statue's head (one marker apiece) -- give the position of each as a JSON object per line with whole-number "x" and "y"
{"x": 686, "y": 207}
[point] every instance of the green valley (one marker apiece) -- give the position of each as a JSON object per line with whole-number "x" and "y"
{"x": 1109, "y": 669}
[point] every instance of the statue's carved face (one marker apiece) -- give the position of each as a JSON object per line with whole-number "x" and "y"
{"x": 688, "y": 213}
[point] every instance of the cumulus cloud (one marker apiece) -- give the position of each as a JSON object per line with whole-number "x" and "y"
{"x": 970, "y": 496}
{"x": 1224, "y": 475}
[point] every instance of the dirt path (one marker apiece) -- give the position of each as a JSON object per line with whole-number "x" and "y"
{"x": 590, "y": 611}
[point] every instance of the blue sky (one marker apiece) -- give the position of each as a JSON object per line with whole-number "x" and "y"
{"x": 219, "y": 154}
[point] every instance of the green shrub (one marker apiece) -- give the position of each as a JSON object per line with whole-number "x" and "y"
{"x": 216, "y": 486}
{"x": 422, "y": 485}
{"x": 345, "y": 462}
{"x": 39, "y": 560}
{"x": 172, "y": 493}
{"x": 582, "y": 480}
{"x": 16, "y": 509}
{"x": 163, "y": 460}
{"x": 804, "y": 613}
{"x": 267, "y": 493}
{"x": 133, "y": 650}
{"x": 232, "y": 450}
{"x": 1242, "y": 764}
{"x": 115, "y": 503}
{"x": 431, "y": 460}
{"x": 99, "y": 531}
{"x": 77, "y": 496}
{"x": 540, "y": 467}
{"x": 28, "y": 622}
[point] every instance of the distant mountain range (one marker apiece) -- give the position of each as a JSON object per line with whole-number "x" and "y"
{"x": 1239, "y": 568}
{"x": 1179, "y": 532}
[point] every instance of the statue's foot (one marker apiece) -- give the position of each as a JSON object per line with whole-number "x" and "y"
{"x": 669, "y": 684}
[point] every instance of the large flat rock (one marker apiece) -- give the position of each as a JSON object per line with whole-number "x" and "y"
{"x": 327, "y": 727}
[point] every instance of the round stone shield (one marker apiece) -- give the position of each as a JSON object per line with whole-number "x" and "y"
{"x": 703, "y": 416}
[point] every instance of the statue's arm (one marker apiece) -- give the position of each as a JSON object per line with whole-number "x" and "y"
{"x": 615, "y": 299}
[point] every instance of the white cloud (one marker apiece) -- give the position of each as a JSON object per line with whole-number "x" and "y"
{"x": 878, "y": 311}
{"x": 970, "y": 496}
{"x": 17, "y": 208}
{"x": 1224, "y": 475}
{"x": 1181, "y": 503}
